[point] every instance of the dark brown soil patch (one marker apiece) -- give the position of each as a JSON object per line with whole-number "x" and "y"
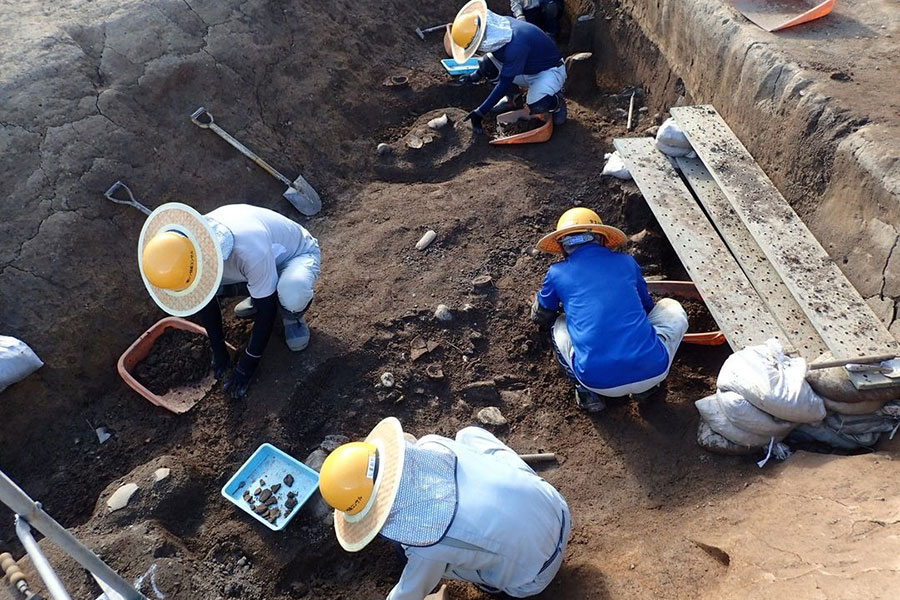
{"x": 178, "y": 358}
{"x": 520, "y": 126}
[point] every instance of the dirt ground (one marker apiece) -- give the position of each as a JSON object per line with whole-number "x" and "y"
{"x": 303, "y": 85}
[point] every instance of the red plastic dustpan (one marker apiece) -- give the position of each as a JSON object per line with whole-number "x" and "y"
{"x": 687, "y": 289}
{"x": 773, "y": 15}
{"x": 178, "y": 400}
{"x": 535, "y": 136}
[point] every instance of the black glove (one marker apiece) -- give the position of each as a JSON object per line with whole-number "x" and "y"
{"x": 541, "y": 315}
{"x": 476, "y": 119}
{"x": 220, "y": 360}
{"x": 239, "y": 382}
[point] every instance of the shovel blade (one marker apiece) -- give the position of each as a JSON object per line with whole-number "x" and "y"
{"x": 303, "y": 197}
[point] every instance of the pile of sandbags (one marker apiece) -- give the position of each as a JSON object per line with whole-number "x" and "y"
{"x": 761, "y": 396}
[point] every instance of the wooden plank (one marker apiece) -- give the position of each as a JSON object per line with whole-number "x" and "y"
{"x": 727, "y": 292}
{"x": 773, "y": 291}
{"x": 836, "y": 310}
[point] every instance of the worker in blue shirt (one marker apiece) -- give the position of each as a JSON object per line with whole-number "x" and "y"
{"x": 612, "y": 340}
{"x": 521, "y": 54}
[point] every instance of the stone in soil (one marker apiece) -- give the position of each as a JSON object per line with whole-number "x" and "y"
{"x": 178, "y": 358}
{"x": 491, "y": 415}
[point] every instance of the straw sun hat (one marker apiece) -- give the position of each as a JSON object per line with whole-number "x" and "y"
{"x": 185, "y": 221}
{"x": 479, "y": 9}
{"x": 356, "y": 531}
{"x": 580, "y": 220}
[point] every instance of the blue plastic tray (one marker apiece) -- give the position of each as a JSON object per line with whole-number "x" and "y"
{"x": 271, "y": 465}
{"x": 467, "y": 68}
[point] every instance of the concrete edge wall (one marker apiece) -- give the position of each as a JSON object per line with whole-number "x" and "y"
{"x": 839, "y": 172}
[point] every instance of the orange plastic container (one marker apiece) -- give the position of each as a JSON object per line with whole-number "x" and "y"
{"x": 178, "y": 400}
{"x": 535, "y": 136}
{"x": 687, "y": 289}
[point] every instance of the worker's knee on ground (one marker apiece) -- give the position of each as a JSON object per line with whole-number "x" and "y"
{"x": 674, "y": 311}
{"x": 295, "y": 296}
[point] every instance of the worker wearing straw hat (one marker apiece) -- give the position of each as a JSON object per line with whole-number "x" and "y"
{"x": 612, "y": 340}
{"x": 467, "y": 509}
{"x": 187, "y": 259}
{"x": 523, "y": 54}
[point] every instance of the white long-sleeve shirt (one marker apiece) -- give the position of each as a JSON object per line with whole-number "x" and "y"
{"x": 509, "y": 531}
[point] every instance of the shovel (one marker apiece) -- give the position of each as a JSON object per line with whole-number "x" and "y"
{"x": 299, "y": 193}
{"x": 888, "y": 368}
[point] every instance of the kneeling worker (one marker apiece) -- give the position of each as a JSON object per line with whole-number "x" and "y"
{"x": 188, "y": 259}
{"x": 612, "y": 340}
{"x": 522, "y": 54}
{"x": 467, "y": 509}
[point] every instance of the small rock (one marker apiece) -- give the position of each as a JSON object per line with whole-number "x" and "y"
{"x": 514, "y": 398}
{"x": 289, "y": 481}
{"x": 275, "y": 488}
{"x": 242, "y": 561}
{"x": 383, "y": 149}
{"x": 491, "y": 415}
{"x": 331, "y": 442}
{"x": 387, "y": 379}
{"x": 434, "y": 372}
{"x": 102, "y": 434}
{"x": 121, "y": 496}
{"x": 270, "y": 501}
{"x": 652, "y": 131}
{"x": 291, "y": 495}
{"x": 163, "y": 473}
{"x": 257, "y": 492}
{"x": 290, "y": 503}
{"x": 481, "y": 282}
{"x": 414, "y": 142}
{"x": 264, "y": 497}
{"x": 439, "y": 122}
{"x": 261, "y": 509}
{"x": 467, "y": 307}
{"x": 262, "y": 482}
{"x": 248, "y": 497}
{"x": 480, "y": 391}
{"x": 442, "y": 313}
{"x": 315, "y": 459}
{"x": 426, "y": 239}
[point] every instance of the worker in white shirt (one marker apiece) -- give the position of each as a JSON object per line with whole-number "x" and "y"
{"x": 187, "y": 260}
{"x": 467, "y": 509}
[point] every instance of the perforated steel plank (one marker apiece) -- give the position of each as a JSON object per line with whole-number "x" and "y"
{"x": 765, "y": 280}
{"x": 834, "y": 307}
{"x": 731, "y": 299}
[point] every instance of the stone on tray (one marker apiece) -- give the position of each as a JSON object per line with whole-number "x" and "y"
{"x": 289, "y": 480}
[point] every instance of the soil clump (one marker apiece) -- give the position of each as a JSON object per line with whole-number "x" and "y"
{"x": 178, "y": 358}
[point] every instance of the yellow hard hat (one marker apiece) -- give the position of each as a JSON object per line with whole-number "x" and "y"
{"x": 580, "y": 220}
{"x": 464, "y": 28}
{"x": 468, "y": 30}
{"x": 170, "y": 261}
{"x": 347, "y": 477}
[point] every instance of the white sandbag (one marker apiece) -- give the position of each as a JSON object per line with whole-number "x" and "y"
{"x": 772, "y": 382}
{"x": 615, "y": 166}
{"x": 715, "y": 443}
{"x": 718, "y": 422}
{"x": 17, "y": 361}
{"x": 865, "y": 407}
{"x": 675, "y": 151}
{"x": 749, "y": 418}
{"x": 670, "y": 134}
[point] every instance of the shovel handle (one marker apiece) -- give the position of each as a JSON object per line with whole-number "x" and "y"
{"x": 538, "y": 458}
{"x": 110, "y": 195}
{"x": 203, "y": 119}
